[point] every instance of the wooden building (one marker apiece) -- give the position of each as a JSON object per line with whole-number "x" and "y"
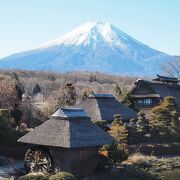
{"x": 147, "y": 94}
{"x": 105, "y": 106}
{"x": 69, "y": 142}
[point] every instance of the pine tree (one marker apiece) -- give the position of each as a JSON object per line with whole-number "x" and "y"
{"x": 142, "y": 123}
{"x": 169, "y": 103}
{"x": 123, "y": 96}
{"x": 142, "y": 127}
{"x": 175, "y": 125}
{"x": 175, "y": 119}
{"x": 132, "y": 132}
{"x": 36, "y": 89}
{"x": 115, "y": 152}
{"x": 165, "y": 120}
{"x": 118, "y": 130}
{"x": 160, "y": 122}
{"x": 117, "y": 91}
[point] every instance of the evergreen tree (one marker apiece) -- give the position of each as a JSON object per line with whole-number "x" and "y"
{"x": 169, "y": 103}
{"x": 84, "y": 95}
{"x": 165, "y": 120}
{"x": 118, "y": 130}
{"x": 132, "y": 132}
{"x": 19, "y": 92}
{"x": 115, "y": 152}
{"x": 175, "y": 119}
{"x": 175, "y": 125}
{"x": 123, "y": 96}
{"x": 160, "y": 122}
{"x": 117, "y": 91}
{"x": 142, "y": 123}
{"x": 92, "y": 78}
{"x": 18, "y": 85}
{"x": 36, "y": 89}
{"x": 142, "y": 127}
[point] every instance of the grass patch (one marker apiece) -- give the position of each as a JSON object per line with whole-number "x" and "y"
{"x": 138, "y": 158}
{"x": 130, "y": 173}
{"x": 152, "y": 163}
{"x": 157, "y": 149}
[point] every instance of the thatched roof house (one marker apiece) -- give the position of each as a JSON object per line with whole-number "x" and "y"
{"x": 68, "y": 128}
{"x": 105, "y": 106}
{"x": 147, "y": 94}
{"x": 70, "y": 138}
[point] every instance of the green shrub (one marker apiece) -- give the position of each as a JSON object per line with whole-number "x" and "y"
{"x": 62, "y": 176}
{"x": 103, "y": 164}
{"x": 34, "y": 177}
{"x": 115, "y": 152}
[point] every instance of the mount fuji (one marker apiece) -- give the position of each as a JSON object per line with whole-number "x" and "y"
{"x": 93, "y": 46}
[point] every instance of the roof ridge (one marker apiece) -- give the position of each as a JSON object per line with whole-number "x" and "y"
{"x": 69, "y": 134}
{"x": 98, "y": 107}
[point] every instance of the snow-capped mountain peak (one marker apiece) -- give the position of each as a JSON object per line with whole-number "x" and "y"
{"x": 88, "y": 33}
{"x": 93, "y": 46}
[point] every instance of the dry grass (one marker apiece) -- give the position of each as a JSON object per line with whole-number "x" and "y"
{"x": 138, "y": 158}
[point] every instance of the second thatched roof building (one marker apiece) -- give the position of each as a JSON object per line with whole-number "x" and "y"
{"x": 105, "y": 106}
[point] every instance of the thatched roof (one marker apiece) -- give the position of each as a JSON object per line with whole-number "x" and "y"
{"x": 166, "y": 79}
{"x": 145, "y": 96}
{"x": 105, "y": 106}
{"x": 157, "y": 89}
{"x": 167, "y": 90}
{"x": 68, "y": 128}
{"x": 71, "y": 113}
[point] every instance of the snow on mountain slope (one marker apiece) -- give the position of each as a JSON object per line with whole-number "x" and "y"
{"x": 93, "y": 46}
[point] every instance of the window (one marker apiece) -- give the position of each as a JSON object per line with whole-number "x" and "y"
{"x": 147, "y": 101}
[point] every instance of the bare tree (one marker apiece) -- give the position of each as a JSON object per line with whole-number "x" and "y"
{"x": 8, "y": 93}
{"x": 172, "y": 68}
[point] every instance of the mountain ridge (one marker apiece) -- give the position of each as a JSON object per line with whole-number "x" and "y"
{"x": 93, "y": 46}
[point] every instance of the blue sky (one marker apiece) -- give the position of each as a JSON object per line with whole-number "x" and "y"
{"x": 24, "y": 24}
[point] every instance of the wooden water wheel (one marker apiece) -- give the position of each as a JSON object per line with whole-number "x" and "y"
{"x": 38, "y": 159}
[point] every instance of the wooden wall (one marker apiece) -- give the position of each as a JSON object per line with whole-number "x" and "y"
{"x": 79, "y": 161}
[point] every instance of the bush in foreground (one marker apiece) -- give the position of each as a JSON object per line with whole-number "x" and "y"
{"x": 62, "y": 176}
{"x": 41, "y": 176}
{"x": 34, "y": 176}
{"x": 114, "y": 152}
